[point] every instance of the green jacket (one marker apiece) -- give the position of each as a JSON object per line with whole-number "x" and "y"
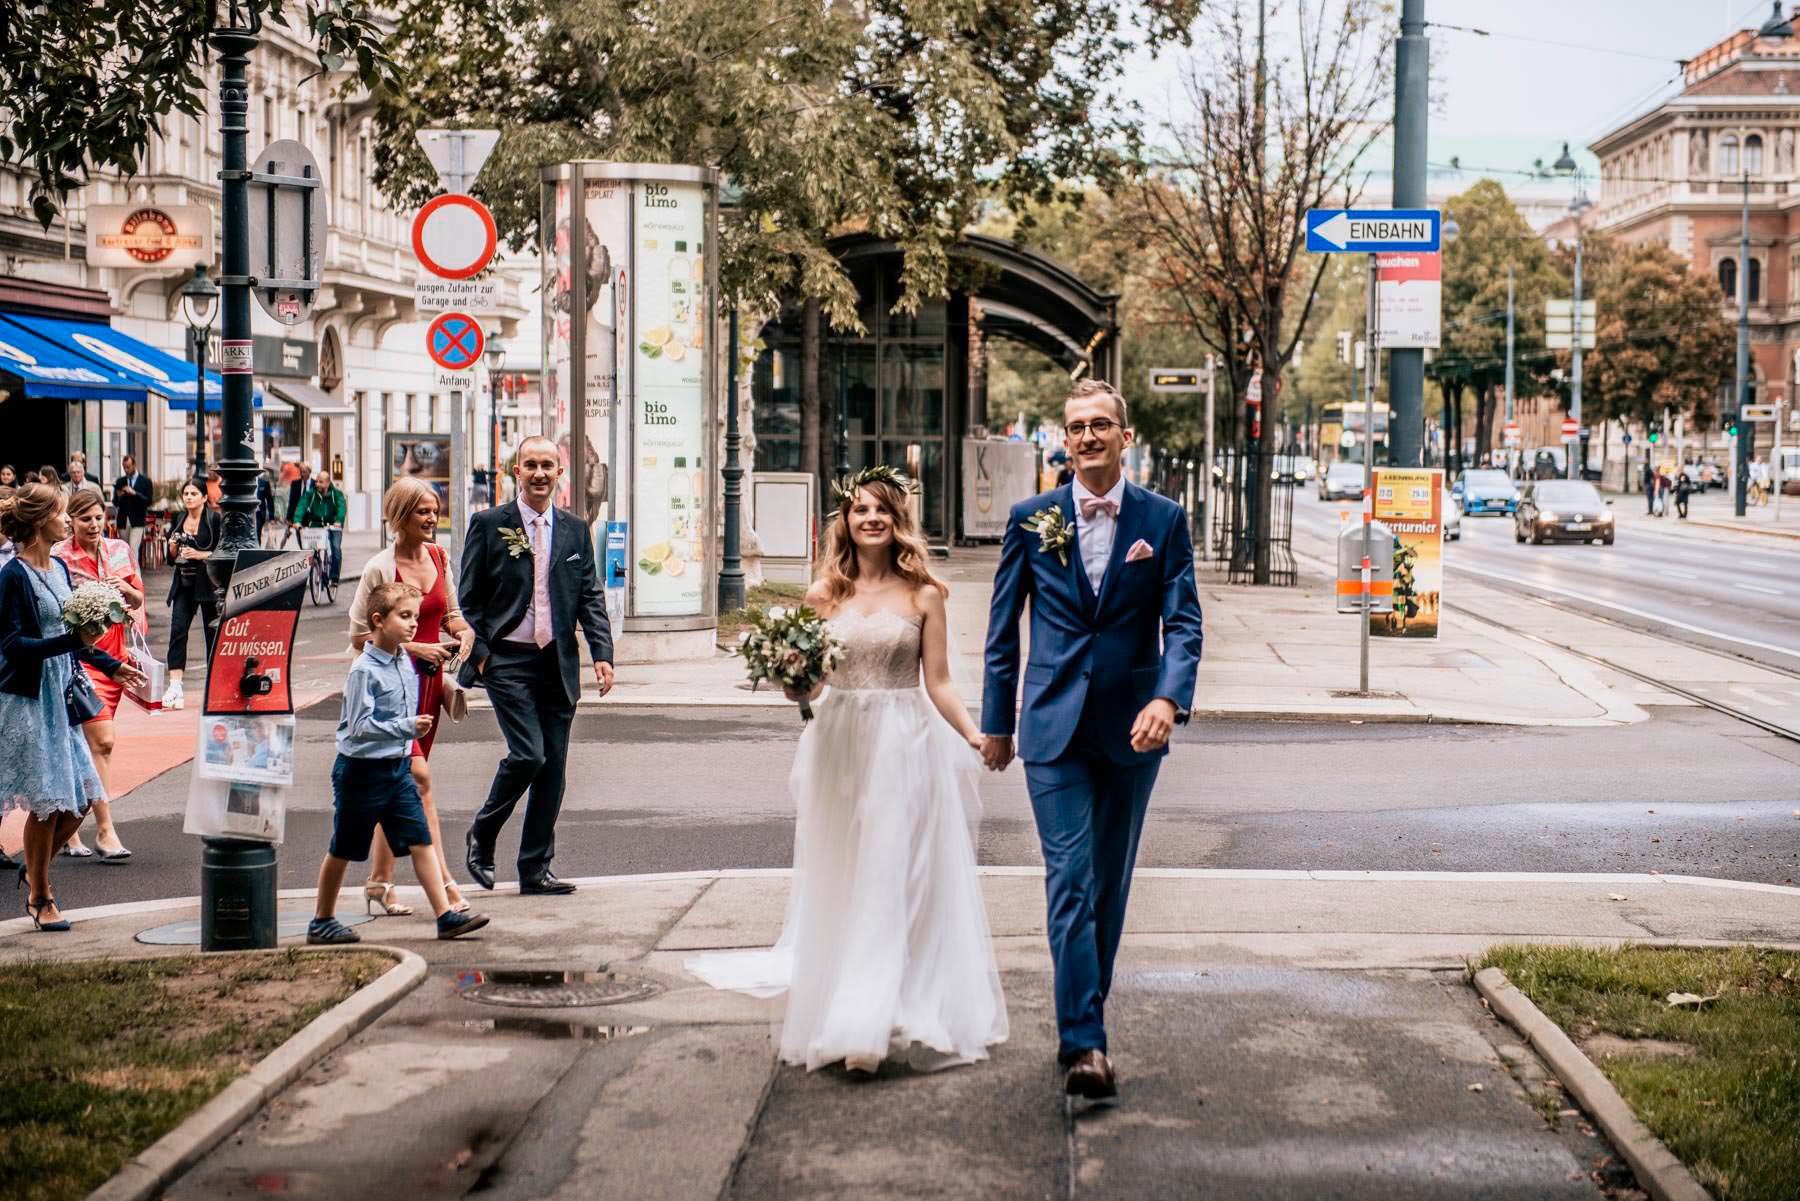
{"x": 315, "y": 511}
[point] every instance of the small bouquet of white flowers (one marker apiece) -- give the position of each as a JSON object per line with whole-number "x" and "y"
{"x": 94, "y": 607}
{"x": 791, "y": 647}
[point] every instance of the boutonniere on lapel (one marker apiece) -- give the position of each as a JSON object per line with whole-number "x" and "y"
{"x": 516, "y": 542}
{"x": 1053, "y": 530}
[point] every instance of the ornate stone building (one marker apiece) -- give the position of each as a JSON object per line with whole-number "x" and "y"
{"x": 1682, "y": 173}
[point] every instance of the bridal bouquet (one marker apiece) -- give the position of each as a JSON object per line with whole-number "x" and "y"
{"x": 790, "y": 647}
{"x": 94, "y": 607}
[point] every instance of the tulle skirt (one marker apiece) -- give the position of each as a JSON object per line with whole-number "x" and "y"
{"x": 885, "y": 951}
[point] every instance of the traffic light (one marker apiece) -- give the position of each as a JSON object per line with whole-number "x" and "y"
{"x": 1731, "y": 427}
{"x": 1655, "y": 434}
{"x": 1343, "y": 346}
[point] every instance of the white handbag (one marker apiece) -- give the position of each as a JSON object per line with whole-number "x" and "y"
{"x": 147, "y": 696}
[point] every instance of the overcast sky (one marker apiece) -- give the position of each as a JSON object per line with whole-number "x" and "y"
{"x": 1504, "y": 101}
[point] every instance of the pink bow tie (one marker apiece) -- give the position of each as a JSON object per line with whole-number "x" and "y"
{"x": 1092, "y": 506}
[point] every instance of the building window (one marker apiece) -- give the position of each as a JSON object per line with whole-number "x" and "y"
{"x": 1728, "y": 155}
{"x": 1753, "y": 158}
{"x": 1755, "y": 280}
{"x": 1728, "y": 278}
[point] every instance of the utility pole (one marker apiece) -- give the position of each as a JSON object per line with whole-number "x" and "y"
{"x": 731, "y": 569}
{"x": 1406, "y": 368}
{"x": 1571, "y": 452}
{"x": 1507, "y": 450}
{"x": 1740, "y": 466}
{"x": 1206, "y": 468}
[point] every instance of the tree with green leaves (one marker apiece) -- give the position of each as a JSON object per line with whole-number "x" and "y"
{"x": 1661, "y": 339}
{"x": 1471, "y": 361}
{"x": 86, "y": 84}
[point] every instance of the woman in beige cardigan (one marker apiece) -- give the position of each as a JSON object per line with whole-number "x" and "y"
{"x": 410, "y": 509}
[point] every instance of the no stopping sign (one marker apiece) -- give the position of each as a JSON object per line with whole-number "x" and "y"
{"x": 455, "y": 342}
{"x": 454, "y": 236}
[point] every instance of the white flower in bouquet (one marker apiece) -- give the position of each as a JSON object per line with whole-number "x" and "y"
{"x": 94, "y": 607}
{"x": 792, "y": 647}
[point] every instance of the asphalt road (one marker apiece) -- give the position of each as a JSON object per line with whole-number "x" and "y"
{"x": 1690, "y": 791}
{"x": 1736, "y": 595}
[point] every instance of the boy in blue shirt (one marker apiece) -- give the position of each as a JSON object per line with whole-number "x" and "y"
{"x": 371, "y": 782}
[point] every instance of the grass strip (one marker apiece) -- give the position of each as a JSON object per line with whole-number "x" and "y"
{"x": 102, "y": 1058}
{"x": 1726, "y": 1099}
{"x": 735, "y": 621}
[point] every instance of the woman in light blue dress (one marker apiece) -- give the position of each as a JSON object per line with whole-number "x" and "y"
{"x": 45, "y": 767}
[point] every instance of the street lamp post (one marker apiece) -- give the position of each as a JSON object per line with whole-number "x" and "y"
{"x": 199, "y": 305}
{"x": 496, "y": 358}
{"x": 731, "y": 568}
{"x": 237, "y": 877}
{"x": 1740, "y": 467}
{"x": 1566, "y": 165}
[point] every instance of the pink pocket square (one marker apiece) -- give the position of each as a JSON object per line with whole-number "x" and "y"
{"x": 1139, "y": 550}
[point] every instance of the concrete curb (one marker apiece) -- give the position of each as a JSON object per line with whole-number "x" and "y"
{"x": 1744, "y": 529}
{"x": 1662, "y": 1175}
{"x": 151, "y": 1170}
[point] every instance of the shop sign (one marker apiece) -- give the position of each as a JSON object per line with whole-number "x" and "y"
{"x": 149, "y": 235}
{"x": 295, "y": 358}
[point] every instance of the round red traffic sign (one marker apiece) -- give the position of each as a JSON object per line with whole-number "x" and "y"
{"x": 455, "y": 341}
{"x": 1571, "y": 428}
{"x": 454, "y": 236}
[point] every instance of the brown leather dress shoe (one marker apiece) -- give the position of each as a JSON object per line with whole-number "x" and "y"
{"x": 1091, "y": 1076}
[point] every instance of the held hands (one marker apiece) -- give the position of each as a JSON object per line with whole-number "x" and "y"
{"x": 996, "y": 751}
{"x": 1151, "y": 729}
{"x": 436, "y": 653}
{"x": 603, "y": 675}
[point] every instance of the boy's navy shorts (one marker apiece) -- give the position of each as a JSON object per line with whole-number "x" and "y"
{"x": 367, "y": 792}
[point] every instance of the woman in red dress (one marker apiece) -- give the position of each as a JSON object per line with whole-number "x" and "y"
{"x": 410, "y": 509}
{"x": 91, "y": 555}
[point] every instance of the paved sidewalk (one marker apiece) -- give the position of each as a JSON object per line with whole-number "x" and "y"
{"x": 1711, "y": 514}
{"x": 1270, "y": 652}
{"x": 1279, "y": 1035}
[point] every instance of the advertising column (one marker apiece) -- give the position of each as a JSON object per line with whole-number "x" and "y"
{"x": 669, "y": 359}
{"x": 1410, "y": 502}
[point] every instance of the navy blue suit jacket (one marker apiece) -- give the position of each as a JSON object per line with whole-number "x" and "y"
{"x": 1095, "y": 658}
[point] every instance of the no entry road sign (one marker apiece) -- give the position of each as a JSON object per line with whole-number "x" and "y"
{"x": 455, "y": 341}
{"x": 1345, "y": 231}
{"x": 454, "y": 236}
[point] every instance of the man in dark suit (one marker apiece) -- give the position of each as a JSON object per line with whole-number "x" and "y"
{"x": 528, "y": 580}
{"x": 1115, "y": 645}
{"x": 131, "y": 497}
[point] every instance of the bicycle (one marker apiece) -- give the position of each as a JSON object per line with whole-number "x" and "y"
{"x": 317, "y": 544}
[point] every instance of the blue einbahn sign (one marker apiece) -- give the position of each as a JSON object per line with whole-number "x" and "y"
{"x": 1364, "y": 231}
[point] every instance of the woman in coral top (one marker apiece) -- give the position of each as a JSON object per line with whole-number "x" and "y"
{"x": 91, "y": 555}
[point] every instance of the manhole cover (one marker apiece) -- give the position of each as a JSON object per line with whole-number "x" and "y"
{"x": 289, "y": 923}
{"x": 551, "y": 988}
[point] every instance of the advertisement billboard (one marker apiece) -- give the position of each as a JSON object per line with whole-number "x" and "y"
{"x": 1410, "y": 502}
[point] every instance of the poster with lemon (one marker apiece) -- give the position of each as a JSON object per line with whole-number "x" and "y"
{"x": 671, "y": 314}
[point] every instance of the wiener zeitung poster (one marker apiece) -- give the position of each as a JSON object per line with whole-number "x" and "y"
{"x": 669, "y": 363}
{"x": 1410, "y": 502}
{"x": 256, "y": 634}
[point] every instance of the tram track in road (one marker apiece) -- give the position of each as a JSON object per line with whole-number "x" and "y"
{"x": 1653, "y": 625}
{"x": 1698, "y": 698}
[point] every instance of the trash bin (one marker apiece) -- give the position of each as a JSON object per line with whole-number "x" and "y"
{"x": 1381, "y": 564}
{"x": 237, "y": 895}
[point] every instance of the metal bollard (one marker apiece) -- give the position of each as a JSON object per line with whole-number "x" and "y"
{"x": 237, "y": 895}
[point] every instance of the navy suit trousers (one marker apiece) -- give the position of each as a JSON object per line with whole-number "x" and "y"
{"x": 1090, "y": 812}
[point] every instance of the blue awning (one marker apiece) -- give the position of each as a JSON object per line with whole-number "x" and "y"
{"x": 162, "y": 373}
{"x": 48, "y": 370}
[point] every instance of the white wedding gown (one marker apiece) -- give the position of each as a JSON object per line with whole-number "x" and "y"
{"x": 885, "y": 951}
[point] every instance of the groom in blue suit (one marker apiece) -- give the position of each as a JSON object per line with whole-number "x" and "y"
{"x": 1115, "y": 644}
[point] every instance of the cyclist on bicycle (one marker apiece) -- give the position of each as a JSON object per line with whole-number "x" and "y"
{"x": 323, "y": 506}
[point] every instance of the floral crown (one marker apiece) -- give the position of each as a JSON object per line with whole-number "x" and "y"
{"x": 847, "y": 488}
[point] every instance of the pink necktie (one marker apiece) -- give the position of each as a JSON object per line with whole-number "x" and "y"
{"x": 540, "y": 583}
{"x": 1093, "y": 505}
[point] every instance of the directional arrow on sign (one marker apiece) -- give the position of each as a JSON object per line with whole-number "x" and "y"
{"x": 1338, "y": 231}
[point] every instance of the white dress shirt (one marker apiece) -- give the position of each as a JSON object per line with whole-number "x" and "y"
{"x": 526, "y": 630}
{"x": 1094, "y": 535}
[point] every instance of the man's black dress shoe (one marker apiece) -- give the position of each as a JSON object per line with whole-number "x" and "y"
{"x": 1091, "y": 1076}
{"x": 479, "y": 862}
{"x": 545, "y": 885}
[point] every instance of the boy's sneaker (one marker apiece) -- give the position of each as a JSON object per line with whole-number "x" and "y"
{"x": 454, "y": 924}
{"x": 329, "y": 932}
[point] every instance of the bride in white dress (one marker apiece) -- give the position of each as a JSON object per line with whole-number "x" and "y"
{"x": 885, "y": 951}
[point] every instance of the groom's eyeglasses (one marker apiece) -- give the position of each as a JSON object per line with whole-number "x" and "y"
{"x": 1099, "y": 426}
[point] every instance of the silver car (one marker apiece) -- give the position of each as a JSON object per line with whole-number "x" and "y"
{"x": 1342, "y": 481}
